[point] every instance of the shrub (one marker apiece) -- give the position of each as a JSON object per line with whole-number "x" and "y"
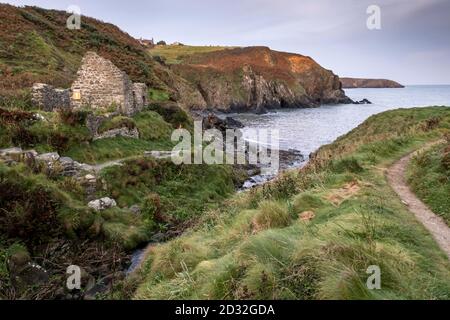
{"x": 347, "y": 164}
{"x": 305, "y": 201}
{"x": 173, "y": 114}
{"x": 12, "y": 117}
{"x": 73, "y": 117}
{"x": 116, "y": 123}
{"x": 151, "y": 210}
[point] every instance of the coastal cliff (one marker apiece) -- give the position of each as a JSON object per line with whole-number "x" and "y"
{"x": 258, "y": 78}
{"x": 351, "y": 83}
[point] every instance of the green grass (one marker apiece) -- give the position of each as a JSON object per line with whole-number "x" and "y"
{"x": 183, "y": 191}
{"x": 359, "y": 221}
{"x": 156, "y": 95}
{"x": 37, "y": 209}
{"x": 429, "y": 177}
{"x": 51, "y": 134}
{"x": 154, "y": 134}
{"x": 174, "y": 54}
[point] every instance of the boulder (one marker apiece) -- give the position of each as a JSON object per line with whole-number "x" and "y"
{"x": 48, "y": 157}
{"x": 90, "y": 177}
{"x": 212, "y": 121}
{"x": 102, "y": 204}
{"x": 136, "y": 209}
{"x": 31, "y": 274}
{"x": 10, "y": 151}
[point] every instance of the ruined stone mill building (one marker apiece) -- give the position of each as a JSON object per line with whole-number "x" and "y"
{"x": 99, "y": 85}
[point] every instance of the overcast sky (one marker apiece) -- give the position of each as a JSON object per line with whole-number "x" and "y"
{"x": 412, "y": 47}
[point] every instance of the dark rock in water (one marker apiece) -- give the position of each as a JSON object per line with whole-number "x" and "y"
{"x": 363, "y": 101}
{"x": 289, "y": 158}
{"x": 103, "y": 286}
{"x": 212, "y": 121}
{"x": 233, "y": 123}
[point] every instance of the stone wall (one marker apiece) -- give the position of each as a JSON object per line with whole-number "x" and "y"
{"x": 47, "y": 98}
{"x": 140, "y": 92}
{"x": 100, "y": 84}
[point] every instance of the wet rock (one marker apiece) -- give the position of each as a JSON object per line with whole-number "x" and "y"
{"x": 31, "y": 274}
{"x": 159, "y": 237}
{"x": 102, "y": 204}
{"x": 212, "y": 121}
{"x": 233, "y": 123}
{"x": 103, "y": 286}
{"x": 363, "y": 101}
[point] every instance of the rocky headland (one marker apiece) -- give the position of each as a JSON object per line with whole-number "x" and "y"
{"x": 254, "y": 79}
{"x": 351, "y": 83}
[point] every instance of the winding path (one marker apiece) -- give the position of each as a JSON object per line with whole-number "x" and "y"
{"x": 432, "y": 222}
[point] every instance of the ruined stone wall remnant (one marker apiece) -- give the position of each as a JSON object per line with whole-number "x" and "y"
{"x": 47, "y": 98}
{"x": 99, "y": 85}
{"x": 140, "y": 91}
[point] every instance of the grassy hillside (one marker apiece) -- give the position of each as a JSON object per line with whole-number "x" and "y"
{"x": 429, "y": 177}
{"x": 312, "y": 233}
{"x": 36, "y": 46}
{"x": 174, "y": 54}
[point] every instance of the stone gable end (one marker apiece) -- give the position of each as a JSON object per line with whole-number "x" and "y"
{"x": 100, "y": 84}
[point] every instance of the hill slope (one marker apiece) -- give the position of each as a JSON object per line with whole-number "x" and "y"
{"x": 36, "y": 46}
{"x": 349, "y": 83}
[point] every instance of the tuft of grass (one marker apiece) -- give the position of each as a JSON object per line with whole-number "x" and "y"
{"x": 429, "y": 177}
{"x": 271, "y": 215}
{"x": 156, "y": 95}
{"x": 116, "y": 123}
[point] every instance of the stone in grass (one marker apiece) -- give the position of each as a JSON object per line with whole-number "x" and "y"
{"x": 90, "y": 178}
{"x": 102, "y": 204}
{"x": 136, "y": 209}
{"x": 48, "y": 157}
{"x": 307, "y": 215}
{"x": 10, "y": 151}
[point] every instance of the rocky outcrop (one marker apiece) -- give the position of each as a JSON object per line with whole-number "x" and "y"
{"x": 352, "y": 83}
{"x": 256, "y": 79}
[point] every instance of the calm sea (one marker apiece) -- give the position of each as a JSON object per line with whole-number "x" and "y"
{"x": 308, "y": 129}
